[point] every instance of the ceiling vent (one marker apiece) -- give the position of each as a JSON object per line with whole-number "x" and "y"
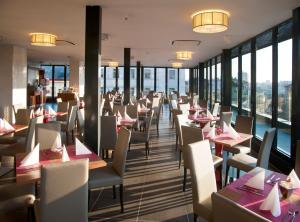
{"x": 186, "y": 43}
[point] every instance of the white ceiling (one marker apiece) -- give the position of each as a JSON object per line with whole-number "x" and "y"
{"x": 150, "y": 27}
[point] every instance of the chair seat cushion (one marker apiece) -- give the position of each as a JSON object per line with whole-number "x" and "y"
{"x": 137, "y": 136}
{"x": 237, "y": 149}
{"x": 204, "y": 209}
{"x": 15, "y": 203}
{"x": 217, "y": 161}
{"x": 104, "y": 176}
{"x": 243, "y": 162}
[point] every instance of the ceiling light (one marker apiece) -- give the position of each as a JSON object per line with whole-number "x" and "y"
{"x": 113, "y": 64}
{"x": 43, "y": 39}
{"x": 184, "y": 55}
{"x": 176, "y": 64}
{"x": 210, "y": 21}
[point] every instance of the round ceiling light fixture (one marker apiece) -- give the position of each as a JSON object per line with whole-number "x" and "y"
{"x": 113, "y": 64}
{"x": 43, "y": 39}
{"x": 176, "y": 64}
{"x": 184, "y": 55}
{"x": 210, "y": 21}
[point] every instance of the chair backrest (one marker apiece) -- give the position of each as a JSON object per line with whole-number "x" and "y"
{"x": 48, "y": 135}
{"x": 179, "y": 121}
{"x": 215, "y": 110}
{"x": 72, "y": 118}
{"x": 265, "y": 148}
{"x": 297, "y": 163}
{"x": 132, "y": 111}
{"x": 244, "y": 124}
{"x": 62, "y": 107}
{"x": 23, "y": 116}
{"x": 64, "y": 191}
{"x": 189, "y": 135}
{"x": 108, "y": 132}
{"x": 225, "y": 109}
{"x": 30, "y": 140}
{"x": 155, "y": 103}
{"x": 80, "y": 119}
{"x": 121, "y": 149}
{"x": 225, "y": 117}
{"x": 202, "y": 171}
{"x": 16, "y": 107}
{"x": 203, "y": 103}
{"x": 119, "y": 108}
{"x": 173, "y": 104}
{"x": 225, "y": 209}
{"x": 184, "y": 108}
{"x": 148, "y": 121}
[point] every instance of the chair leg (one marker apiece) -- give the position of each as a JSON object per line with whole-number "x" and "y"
{"x": 114, "y": 191}
{"x": 102, "y": 151}
{"x": 121, "y": 197}
{"x": 157, "y": 129}
{"x": 195, "y": 217}
{"x": 179, "y": 159}
{"x": 237, "y": 173}
{"x": 184, "y": 178}
{"x": 67, "y": 137}
{"x": 73, "y": 138}
{"x": 226, "y": 175}
{"x": 176, "y": 142}
{"x": 89, "y": 197}
{"x": 146, "y": 149}
{"x": 129, "y": 147}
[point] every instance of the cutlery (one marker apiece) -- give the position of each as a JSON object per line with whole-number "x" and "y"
{"x": 293, "y": 213}
{"x": 270, "y": 179}
{"x": 249, "y": 190}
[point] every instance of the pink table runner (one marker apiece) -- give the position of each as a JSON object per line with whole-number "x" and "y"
{"x": 48, "y": 156}
{"x": 252, "y": 201}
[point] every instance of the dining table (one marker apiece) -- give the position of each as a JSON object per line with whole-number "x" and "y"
{"x": 32, "y": 173}
{"x": 251, "y": 198}
{"x": 17, "y": 128}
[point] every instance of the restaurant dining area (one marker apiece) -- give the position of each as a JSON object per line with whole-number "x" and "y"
{"x": 147, "y": 111}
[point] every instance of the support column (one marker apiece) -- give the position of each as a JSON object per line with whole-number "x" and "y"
{"x": 201, "y": 80}
{"x": 142, "y": 79}
{"x": 138, "y": 79}
{"x": 155, "y": 76}
{"x": 126, "y": 75}
{"x": 92, "y": 76}
{"x": 296, "y": 82}
{"x": 166, "y": 82}
{"x": 117, "y": 79}
{"x": 191, "y": 84}
{"x": 104, "y": 79}
{"x": 226, "y": 73}
{"x": 13, "y": 75}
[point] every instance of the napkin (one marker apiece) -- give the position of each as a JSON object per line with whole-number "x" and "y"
{"x": 225, "y": 127}
{"x": 257, "y": 181}
{"x": 212, "y": 133}
{"x": 80, "y": 148}
{"x": 294, "y": 179}
{"x": 51, "y": 112}
{"x": 272, "y": 202}
{"x": 65, "y": 155}
{"x": 206, "y": 128}
{"x": 232, "y": 133}
{"x": 209, "y": 115}
{"x": 4, "y": 125}
{"x": 127, "y": 117}
{"x": 32, "y": 158}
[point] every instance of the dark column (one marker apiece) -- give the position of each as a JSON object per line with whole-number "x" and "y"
{"x": 201, "y": 80}
{"x": 142, "y": 78}
{"x": 91, "y": 90}
{"x": 178, "y": 80}
{"x": 240, "y": 83}
{"x": 191, "y": 84}
{"x": 226, "y": 73}
{"x": 155, "y": 76}
{"x": 275, "y": 82}
{"x": 166, "y": 81}
{"x": 104, "y": 79}
{"x": 117, "y": 78}
{"x": 210, "y": 84}
{"x": 253, "y": 82}
{"x": 296, "y": 82}
{"x": 126, "y": 75}
{"x": 65, "y": 76}
{"x": 138, "y": 79}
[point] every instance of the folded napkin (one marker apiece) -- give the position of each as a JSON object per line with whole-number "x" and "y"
{"x": 206, "y": 128}
{"x": 148, "y": 101}
{"x": 65, "y": 156}
{"x": 225, "y": 127}
{"x": 272, "y": 202}
{"x": 4, "y": 125}
{"x": 127, "y": 118}
{"x": 232, "y": 133}
{"x": 51, "y": 112}
{"x": 32, "y": 158}
{"x": 209, "y": 115}
{"x": 294, "y": 180}
{"x": 80, "y": 148}
{"x": 257, "y": 181}
{"x": 212, "y": 133}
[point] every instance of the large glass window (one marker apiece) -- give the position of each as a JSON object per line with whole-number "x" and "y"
{"x": 205, "y": 82}
{"x": 160, "y": 79}
{"x": 213, "y": 85}
{"x": 133, "y": 81}
{"x": 263, "y": 90}
{"x": 218, "y": 82}
{"x": 284, "y": 96}
{"x": 148, "y": 79}
{"x": 121, "y": 79}
{"x": 246, "y": 83}
{"x": 184, "y": 81}
{"x": 48, "y": 75}
{"x": 234, "y": 86}
{"x": 68, "y": 77}
{"x": 208, "y": 86}
{"x": 102, "y": 79}
{"x": 110, "y": 78}
{"x": 172, "y": 80}
{"x": 59, "y": 76}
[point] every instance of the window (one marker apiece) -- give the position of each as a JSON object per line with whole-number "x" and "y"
{"x": 121, "y": 79}
{"x": 172, "y": 80}
{"x": 263, "y": 90}
{"x": 160, "y": 79}
{"x": 110, "y": 78}
{"x": 184, "y": 75}
{"x": 102, "y": 79}
{"x": 284, "y": 96}
{"x": 219, "y": 82}
{"x": 148, "y": 79}
{"x": 205, "y": 82}
{"x": 246, "y": 83}
{"x": 68, "y": 77}
{"x": 133, "y": 81}
{"x": 208, "y": 85}
{"x": 213, "y": 85}
{"x": 234, "y": 86}
{"x": 48, "y": 75}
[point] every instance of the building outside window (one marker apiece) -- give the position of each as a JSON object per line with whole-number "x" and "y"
{"x": 160, "y": 79}
{"x": 172, "y": 80}
{"x": 246, "y": 84}
{"x": 234, "y": 86}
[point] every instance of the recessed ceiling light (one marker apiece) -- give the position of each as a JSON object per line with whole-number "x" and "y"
{"x": 43, "y": 39}
{"x": 184, "y": 55}
{"x": 113, "y": 64}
